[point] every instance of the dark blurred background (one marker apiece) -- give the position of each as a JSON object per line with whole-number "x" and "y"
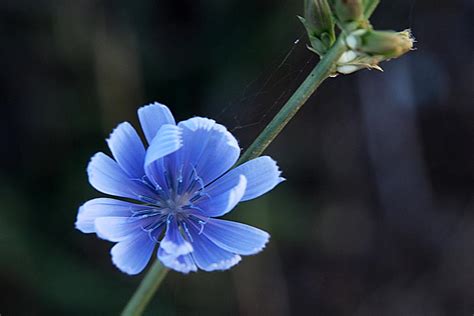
{"x": 377, "y": 215}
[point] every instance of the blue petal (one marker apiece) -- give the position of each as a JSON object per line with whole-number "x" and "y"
{"x": 118, "y": 228}
{"x": 166, "y": 141}
{"x": 128, "y": 150}
{"x": 106, "y": 176}
{"x": 235, "y": 237}
{"x": 207, "y": 255}
{"x": 103, "y": 207}
{"x": 152, "y": 117}
{"x": 184, "y": 263}
{"x": 262, "y": 175}
{"x": 208, "y": 147}
{"x": 133, "y": 254}
{"x": 174, "y": 243}
{"x": 222, "y": 196}
{"x": 174, "y": 249}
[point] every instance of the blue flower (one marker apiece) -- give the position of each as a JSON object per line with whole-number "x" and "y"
{"x": 174, "y": 189}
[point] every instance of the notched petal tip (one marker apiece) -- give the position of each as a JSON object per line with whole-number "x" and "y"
{"x": 153, "y": 104}
{"x": 198, "y": 122}
{"x": 174, "y": 264}
{"x": 208, "y": 147}
{"x": 262, "y": 173}
{"x": 93, "y": 166}
{"x": 181, "y": 263}
{"x": 176, "y": 249}
{"x": 224, "y": 264}
{"x": 230, "y": 139}
{"x": 166, "y": 141}
{"x": 94, "y": 158}
{"x": 262, "y": 246}
{"x": 118, "y": 128}
{"x": 208, "y": 124}
{"x": 155, "y": 108}
{"x": 152, "y": 117}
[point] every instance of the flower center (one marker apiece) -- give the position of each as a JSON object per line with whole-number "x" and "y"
{"x": 174, "y": 198}
{"x": 176, "y": 208}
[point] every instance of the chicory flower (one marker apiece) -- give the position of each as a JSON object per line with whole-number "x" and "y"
{"x": 171, "y": 192}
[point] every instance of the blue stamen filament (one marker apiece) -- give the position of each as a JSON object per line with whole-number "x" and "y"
{"x": 174, "y": 202}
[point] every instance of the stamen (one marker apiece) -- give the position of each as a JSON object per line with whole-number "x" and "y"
{"x": 179, "y": 186}
{"x": 190, "y": 179}
{"x": 201, "y": 182}
{"x": 161, "y": 192}
{"x": 156, "y": 224}
{"x": 168, "y": 180}
{"x": 145, "y": 181}
{"x": 193, "y": 207}
{"x": 146, "y": 213}
{"x": 194, "y": 198}
{"x": 186, "y": 230}
{"x": 150, "y": 200}
{"x": 195, "y": 180}
{"x": 202, "y": 223}
{"x": 155, "y": 232}
{"x": 198, "y": 195}
{"x": 169, "y": 218}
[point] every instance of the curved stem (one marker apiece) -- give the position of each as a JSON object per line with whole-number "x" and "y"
{"x": 323, "y": 69}
{"x": 146, "y": 290}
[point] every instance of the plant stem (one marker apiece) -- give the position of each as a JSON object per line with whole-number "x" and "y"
{"x": 321, "y": 72}
{"x": 323, "y": 69}
{"x": 146, "y": 290}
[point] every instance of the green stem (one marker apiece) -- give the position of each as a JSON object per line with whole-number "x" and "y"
{"x": 146, "y": 290}
{"x": 323, "y": 69}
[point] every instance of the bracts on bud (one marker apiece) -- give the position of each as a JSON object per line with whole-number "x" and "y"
{"x": 366, "y": 47}
{"x": 319, "y": 24}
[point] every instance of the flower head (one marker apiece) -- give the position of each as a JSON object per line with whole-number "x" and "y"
{"x": 174, "y": 189}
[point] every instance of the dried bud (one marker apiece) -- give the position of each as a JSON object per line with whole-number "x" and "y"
{"x": 388, "y": 44}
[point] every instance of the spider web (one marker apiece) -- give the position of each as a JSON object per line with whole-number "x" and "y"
{"x": 262, "y": 97}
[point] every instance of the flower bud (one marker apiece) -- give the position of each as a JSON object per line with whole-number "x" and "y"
{"x": 388, "y": 44}
{"x": 369, "y": 7}
{"x": 348, "y": 10}
{"x": 319, "y": 24}
{"x": 319, "y": 17}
